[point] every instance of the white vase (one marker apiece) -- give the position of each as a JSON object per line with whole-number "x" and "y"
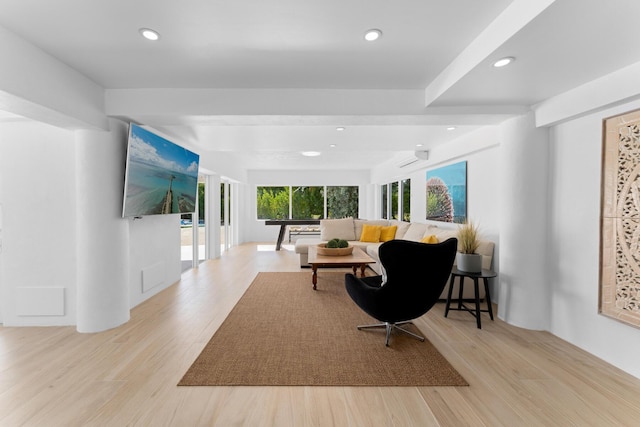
{"x": 470, "y": 263}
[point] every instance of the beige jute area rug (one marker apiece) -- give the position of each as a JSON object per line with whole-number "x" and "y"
{"x": 282, "y": 332}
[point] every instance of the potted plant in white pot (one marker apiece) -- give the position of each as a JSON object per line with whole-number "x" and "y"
{"x": 468, "y": 241}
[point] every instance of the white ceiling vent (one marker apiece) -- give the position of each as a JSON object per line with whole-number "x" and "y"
{"x": 418, "y": 156}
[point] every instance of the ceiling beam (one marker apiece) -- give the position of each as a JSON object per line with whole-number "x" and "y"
{"x": 293, "y": 107}
{"x": 36, "y": 85}
{"x": 515, "y": 17}
{"x": 619, "y": 87}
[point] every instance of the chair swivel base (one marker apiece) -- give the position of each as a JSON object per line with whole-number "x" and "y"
{"x": 391, "y": 326}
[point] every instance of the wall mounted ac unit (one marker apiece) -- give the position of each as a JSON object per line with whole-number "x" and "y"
{"x": 422, "y": 154}
{"x": 418, "y": 156}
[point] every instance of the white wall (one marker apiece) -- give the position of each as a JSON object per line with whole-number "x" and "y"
{"x": 68, "y": 258}
{"x": 573, "y": 255}
{"x": 38, "y": 198}
{"x": 66, "y": 250}
{"x": 1, "y": 236}
{"x": 154, "y": 255}
{"x": 480, "y": 150}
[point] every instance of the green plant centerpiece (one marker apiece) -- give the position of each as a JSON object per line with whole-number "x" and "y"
{"x": 468, "y": 242}
{"x": 335, "y": 247}
{"x": 337, "y": 243}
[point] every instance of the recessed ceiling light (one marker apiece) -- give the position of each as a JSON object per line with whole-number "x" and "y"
{"x": 504, "y": 61}
{"x": 418, "y": 145}
{"x": 149, "y": 34}
{"x": 451, "y": 128}
{"x": 311, "y": 153}
{"x": 372, "y": 35}
{"x": 332, "y": 145}
{"x": 340, "y": 128}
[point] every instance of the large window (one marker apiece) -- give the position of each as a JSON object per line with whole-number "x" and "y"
{"x": 406, "y": 200}
{"x": 384, "y": 201}
{"x": 273, "y": 202}
{"x": 222, "y": 203}
{"x": 395, "y": 200}
{"x": 342, "y": 202}
{"x": 307, "y": 202}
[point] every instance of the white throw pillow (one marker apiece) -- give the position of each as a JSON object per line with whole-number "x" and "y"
{"x": 444, "y": 234}
{"x": 403, "y": 226}
{"x": 337, "y": 229}
{"x": 415, "y": 232}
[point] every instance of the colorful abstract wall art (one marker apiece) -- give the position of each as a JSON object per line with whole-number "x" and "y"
{"x": 447, "y": 193}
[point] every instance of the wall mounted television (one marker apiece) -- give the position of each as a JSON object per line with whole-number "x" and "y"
{"x": 161, "y": 177}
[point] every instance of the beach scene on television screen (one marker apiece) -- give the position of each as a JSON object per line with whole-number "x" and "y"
{"x": 162, "y": 177}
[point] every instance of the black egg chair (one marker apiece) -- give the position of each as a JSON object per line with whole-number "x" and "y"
{"x": 415, "y": 276}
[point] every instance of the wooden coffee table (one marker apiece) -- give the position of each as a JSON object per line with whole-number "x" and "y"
{"x": 357, "y": 259}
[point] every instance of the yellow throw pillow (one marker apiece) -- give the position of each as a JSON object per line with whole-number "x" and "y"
{"x": 370, "y": 233}
{"x": 388, "y": 233}
{"x": 430, "y": 239}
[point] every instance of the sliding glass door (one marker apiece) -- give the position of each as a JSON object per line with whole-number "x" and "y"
{"x": 192, "y": 232}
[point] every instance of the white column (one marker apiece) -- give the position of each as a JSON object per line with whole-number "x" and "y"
{"x": 102, "y": 233}
{"x": 195, "y": 233}
{"x": 212, "y": 212}
{"x": 233, "y": 230}
{"x": 524, "y": 284}
{"x": 3, "y": 291}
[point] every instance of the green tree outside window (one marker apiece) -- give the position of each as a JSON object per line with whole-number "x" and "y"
{"x": 342, "y": 202}
{"x": 308, "y": 203}
{"x": 394, "y": 200}
{"x": 273, "y": 202}
{"x": 383, "y": 201}
{"x": 406, "y": 200}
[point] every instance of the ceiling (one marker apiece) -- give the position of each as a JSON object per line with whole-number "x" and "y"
{"x": 442, "y": 48}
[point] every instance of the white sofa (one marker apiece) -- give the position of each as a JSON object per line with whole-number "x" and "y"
{"x": 351, "y": 230}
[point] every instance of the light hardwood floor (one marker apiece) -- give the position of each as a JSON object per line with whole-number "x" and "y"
{"x": 127, "y": 376}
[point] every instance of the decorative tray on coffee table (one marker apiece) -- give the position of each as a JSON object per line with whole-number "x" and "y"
{"x": 324, "y": 250}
